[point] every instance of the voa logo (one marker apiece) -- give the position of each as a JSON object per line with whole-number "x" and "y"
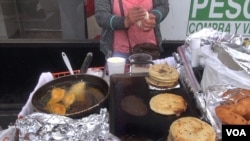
{"x": 236, "y": 132}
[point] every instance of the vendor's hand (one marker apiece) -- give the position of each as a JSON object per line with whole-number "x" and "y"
{"x": 148, "y": 24}
{"x": 135, "y": 14}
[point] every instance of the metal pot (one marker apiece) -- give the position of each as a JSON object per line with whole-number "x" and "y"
{"x": 66, "y": 81}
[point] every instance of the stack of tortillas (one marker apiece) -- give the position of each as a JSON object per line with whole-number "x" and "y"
{"x": 162, "y": 76}
{"x": 168, "y": 104}
{"x": 191, "y": 129}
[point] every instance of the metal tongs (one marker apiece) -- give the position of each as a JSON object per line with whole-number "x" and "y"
{"x": 67, "y": 62}
{"x": 86, "y": 63}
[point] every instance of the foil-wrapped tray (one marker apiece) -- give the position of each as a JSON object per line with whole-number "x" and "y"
{"x": 222, "y": 95}
{"x": 136, "y": 121}
{"x": 42, "y": 126}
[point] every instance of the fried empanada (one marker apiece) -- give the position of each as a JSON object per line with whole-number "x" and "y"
{"x": 78, "y": 90}
{"x": 228, "y": 117}
{"x": 57, "y": 94}
{"x": 68, "y": 99}
{"x": 236, "y": 108}
{"x": 56, "y": 108}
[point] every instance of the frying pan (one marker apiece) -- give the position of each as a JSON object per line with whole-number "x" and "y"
{"x": 66, "y": 81}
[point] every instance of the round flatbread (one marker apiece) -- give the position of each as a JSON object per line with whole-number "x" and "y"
{"x": 159, "y": 84}
{"x": 163, "y": 73}
{"x": 191, "y": 129}
{"x": 168, "y": 104}
{"x": 134, "y": 105}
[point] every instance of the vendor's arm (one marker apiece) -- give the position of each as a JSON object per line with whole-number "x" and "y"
{"x": 135, "y": 14}
{"x": 160, "y": 10}
{"x": 148, "y": 23}
{"x": 105, "y": 18}
{"x": 156, "y": 15}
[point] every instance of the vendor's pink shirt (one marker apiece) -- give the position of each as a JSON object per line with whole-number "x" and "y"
{"x": 136, "y": 35}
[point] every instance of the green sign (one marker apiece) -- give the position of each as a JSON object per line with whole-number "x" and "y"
{"x": 231, "y": 16}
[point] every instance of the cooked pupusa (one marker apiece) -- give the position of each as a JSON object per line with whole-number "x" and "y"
{"x": 168, "y": 104}
{"x": 191, "y": 129}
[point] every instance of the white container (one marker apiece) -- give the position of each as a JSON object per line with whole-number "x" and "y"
{"x": 116, "y": 65}
{"x": 195, "y": 49}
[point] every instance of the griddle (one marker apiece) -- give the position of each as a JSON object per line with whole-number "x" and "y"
{"x": 150, "y": 126}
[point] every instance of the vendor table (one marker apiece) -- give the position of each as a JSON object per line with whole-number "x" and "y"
{"x": 23, "y": 61}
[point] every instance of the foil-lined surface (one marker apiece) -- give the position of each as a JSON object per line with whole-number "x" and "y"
{"x": 242, "y": 58}
{"x": 188, "y": 78}
{"x": 213, "y": 44}
{"x": 187, "y": 71}
{"x": 41, "y": 126}
{"x": 214, "y": 97}
{"x": 210, "y": 36}
{"x": 234, "y": 45}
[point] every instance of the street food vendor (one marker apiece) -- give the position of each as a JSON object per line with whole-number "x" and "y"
{"x": 140, "y": 22}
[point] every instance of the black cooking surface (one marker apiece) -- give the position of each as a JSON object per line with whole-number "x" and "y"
{"x": 148, "y": 124}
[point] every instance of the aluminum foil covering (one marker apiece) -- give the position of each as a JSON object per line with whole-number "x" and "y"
{"x": 210, "y": 36}
{"x": 240, "y": 55}
{"x": 198, "y": 95}
{"x": 188, "y": 78}
{"x": 236, "y": 46}
{"x": 41, "y": 126}
{"x": 188, "y": 71}
{"x": 214, "y": 97}
{"x": 233, "y": 46}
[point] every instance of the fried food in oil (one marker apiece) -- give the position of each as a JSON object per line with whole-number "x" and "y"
{"x": 61, "y": 99}
{"x": 56, "y": 108}
{"x": 78, "y": 90}
{"x": 228, "y": 117}
{"x": 68, "y": 99}
{"x": 57, "y": 94}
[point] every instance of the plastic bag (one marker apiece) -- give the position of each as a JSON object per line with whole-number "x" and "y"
{"x": 217, "y": 73}
{"x": 8, "y": 134}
